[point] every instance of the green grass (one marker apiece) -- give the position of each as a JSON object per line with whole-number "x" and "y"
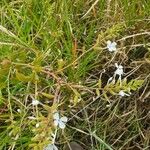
{"x": 55, "y": 51}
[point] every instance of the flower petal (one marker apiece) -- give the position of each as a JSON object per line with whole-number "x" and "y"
{"x": 64, "y": 119}
{"x": 110, "y": 79}
{"x": 56, "y": 116}
{"x": 108, "y": 42}
{"x": 114, "y": 44}
{"x": 18, "y": 110}
{"x": 120, "y": 67}
{"x": 113, "y": 48}
{"x": 54, "y": 147}
{"x": 56, "y": 122}
{"x": 116, "y": 65}
{"x": 37, "y": 125}
{"x": 31, "y": 118}
{"x": 122, "y": 93}
{"x": 35, "y": 102}
{"x": 50, "y": 147}
{"x": 61, "y": 124}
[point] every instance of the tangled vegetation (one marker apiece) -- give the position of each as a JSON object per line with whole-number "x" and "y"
{"x": 75, "y": 71}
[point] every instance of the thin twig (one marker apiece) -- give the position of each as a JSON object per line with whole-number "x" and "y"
{"x": 90, "y": 9}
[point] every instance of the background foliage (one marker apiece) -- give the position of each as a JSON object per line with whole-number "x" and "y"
{"x": 55, "y": 51}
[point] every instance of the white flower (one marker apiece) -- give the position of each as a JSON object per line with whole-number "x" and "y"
{"x": 109, "y": 80}
{"x": 31, "y": 118}
{"x": 35, "y": 102}
{"x": 111, "y": 46}
{"x": 60, "y": 121}
{"x": 51, "y": 147}
{"x": 37, "y": 125}
{"x": 119, "y": 70}
{"x": 18, "y": 110}
{"x": 122, "y": 94}
{"x": 108, "y": 105}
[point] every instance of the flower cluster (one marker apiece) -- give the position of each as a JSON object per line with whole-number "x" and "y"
{"x": 35, "y": 102}
{"x": 122, "y": 93}
{"x": 58, "y": 122}
{"x": 111, "y": 46}
{"x": 119, "y": 71}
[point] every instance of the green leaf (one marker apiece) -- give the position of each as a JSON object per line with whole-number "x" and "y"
{"x": 3, "y": 77}
{"x": 135, "y": 84}
{"x": 50, "y": 96}
{"x": 24, "y": 78}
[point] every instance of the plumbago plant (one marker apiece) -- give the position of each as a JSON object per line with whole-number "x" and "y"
{"x": 36, "y": 112}
{"x": 116, "y": 85}
{"x": 62, "y": 63}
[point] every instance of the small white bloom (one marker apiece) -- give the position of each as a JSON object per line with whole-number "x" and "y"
{"x": 111, "y": 46}
{"x": 95, "y": 31}
{"x": 35, "y": 102}
{"x": 31, "y": 118}
{"x": 122, "y": 94}
{"x": 18, "y": 110}
{"x": 37, "y": 125}
{"x": 108, "y": 105}
{"x": 51, "y": 147}
{"x": 119, "y": 70}
{"x": 60, "y": 121}
{"x": 109, "y": 80}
